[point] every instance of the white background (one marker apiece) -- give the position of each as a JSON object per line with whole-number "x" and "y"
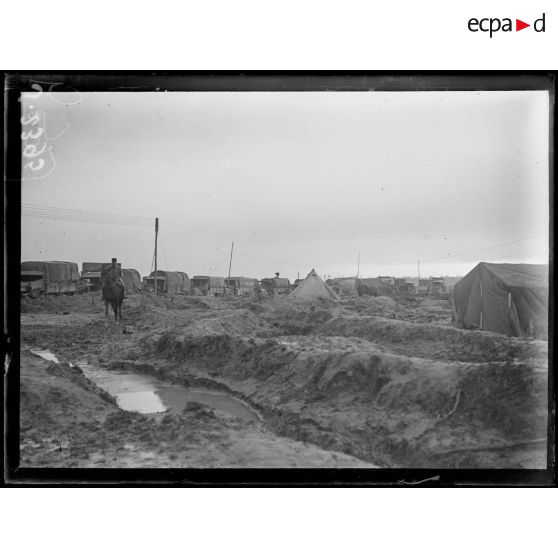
{"x": 286, "y": 34}
{"x": 249, "y": 35}
{"x": 272, "y": 523}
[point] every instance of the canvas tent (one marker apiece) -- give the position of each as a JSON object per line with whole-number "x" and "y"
{"x": 505, "y": 298}
{"x": 132, "y": 280}
{"x": 313, "y": 287}
{"x": 59, "y": 277}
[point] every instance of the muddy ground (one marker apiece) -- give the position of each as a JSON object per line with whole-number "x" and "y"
{"x": 362, "y": 382}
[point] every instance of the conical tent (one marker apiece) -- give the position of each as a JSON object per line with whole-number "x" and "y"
{"x": 506, "y": 298}
{"x": 313, "y": 287}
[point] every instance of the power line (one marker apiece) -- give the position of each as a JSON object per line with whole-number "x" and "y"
{"x": 67, "y": 214}
{"x": 116, "y": 222}
{"x": 484, "y": 249}
{"x": 401, "y": 263}
{"x": 282, "y": 262}
{"x": 78, "y": 217}
{"x": 81, "y": 211}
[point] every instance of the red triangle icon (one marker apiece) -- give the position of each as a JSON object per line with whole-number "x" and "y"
{"x": 519, "y": 25}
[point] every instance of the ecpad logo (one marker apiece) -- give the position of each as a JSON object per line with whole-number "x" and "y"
{"x": 493, "y": 25}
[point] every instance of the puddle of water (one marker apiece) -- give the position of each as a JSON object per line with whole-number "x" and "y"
{"x": 140, "y": 401}
{"x": 47, "y": 355}
{"x": 144, "y": 394}
{"x": 178, "y": 398}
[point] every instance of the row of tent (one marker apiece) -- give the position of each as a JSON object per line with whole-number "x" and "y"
{"x": 511, "y": 299}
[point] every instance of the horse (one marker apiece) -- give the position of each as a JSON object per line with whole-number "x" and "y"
{"x": 113, "y": 294}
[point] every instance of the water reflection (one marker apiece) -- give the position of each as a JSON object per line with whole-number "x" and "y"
{"x": 47, "y": 355}
{"x": 145, "y": 394}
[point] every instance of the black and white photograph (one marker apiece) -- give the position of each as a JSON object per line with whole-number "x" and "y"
{"x": 343, "y": 274}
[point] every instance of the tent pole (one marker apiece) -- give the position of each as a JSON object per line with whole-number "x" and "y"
{"x": 230, "y": 261}
{"x": 156, "y": 232}
{"x": 509, "y": 314}
{"x": 482, "y": 304}
{"x": 358, "y": 265}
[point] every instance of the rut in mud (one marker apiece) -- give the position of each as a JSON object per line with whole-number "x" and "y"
{"x": 372, "y": 380}
{"x": 68, "y": 421}
{"x": 350, "y": 395}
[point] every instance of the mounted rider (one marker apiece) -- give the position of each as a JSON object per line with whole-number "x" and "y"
{"x": 110, "y": 276}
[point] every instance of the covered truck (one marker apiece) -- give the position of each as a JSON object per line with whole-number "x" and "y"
{"x": 92, "y": 272}
{"x": 57, "y": 277}
{"x": 505, "y": 298}
{"x": 205, "y": 285}
{"x": 276, "y": 285}
{"x": 241, "y": 285}
{"x": 169, "y": 281}
{"x": 32, "y": 282}
{"x": 343, "y": 285}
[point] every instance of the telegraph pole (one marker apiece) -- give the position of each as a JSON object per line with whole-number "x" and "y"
{"x": 156, "y": 233}
{"x": 358, "y": 265}
{"x": 230, "y": 261}
{"x": 418, "y": 267}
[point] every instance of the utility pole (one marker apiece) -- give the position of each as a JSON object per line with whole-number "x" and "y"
{"x": 156, "y": 233}
{"x": 358, "y": 265}
{"x": 230, "y": 262}
{"x": 418, "y": 267}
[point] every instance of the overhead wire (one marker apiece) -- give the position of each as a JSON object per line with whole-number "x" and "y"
{"x": 448, "y": 256}
{"x": 67, "y": 214}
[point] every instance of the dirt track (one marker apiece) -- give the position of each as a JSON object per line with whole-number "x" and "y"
{"x": 361, "y": 383}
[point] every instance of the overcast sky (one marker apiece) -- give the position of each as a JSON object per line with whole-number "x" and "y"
{"x": 296, "y": 180}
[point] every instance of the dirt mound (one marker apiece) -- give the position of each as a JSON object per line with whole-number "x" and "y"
{"x": 144, "y": 301}
{"x": 371, "y": 305}
{"x": 182, "y": 302}
{"x": 232, "y": 322}
{"x": 236, "y": 322}
{"x": 298, "y": 316}
{"x": 66, "y": 424}
{"x": 377, "y": 406}
{"x": 408, "y": 308}
{"x": 428, "y": 311}
{"x": 54, "y": 304}
{"x": 432, "y": 341}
